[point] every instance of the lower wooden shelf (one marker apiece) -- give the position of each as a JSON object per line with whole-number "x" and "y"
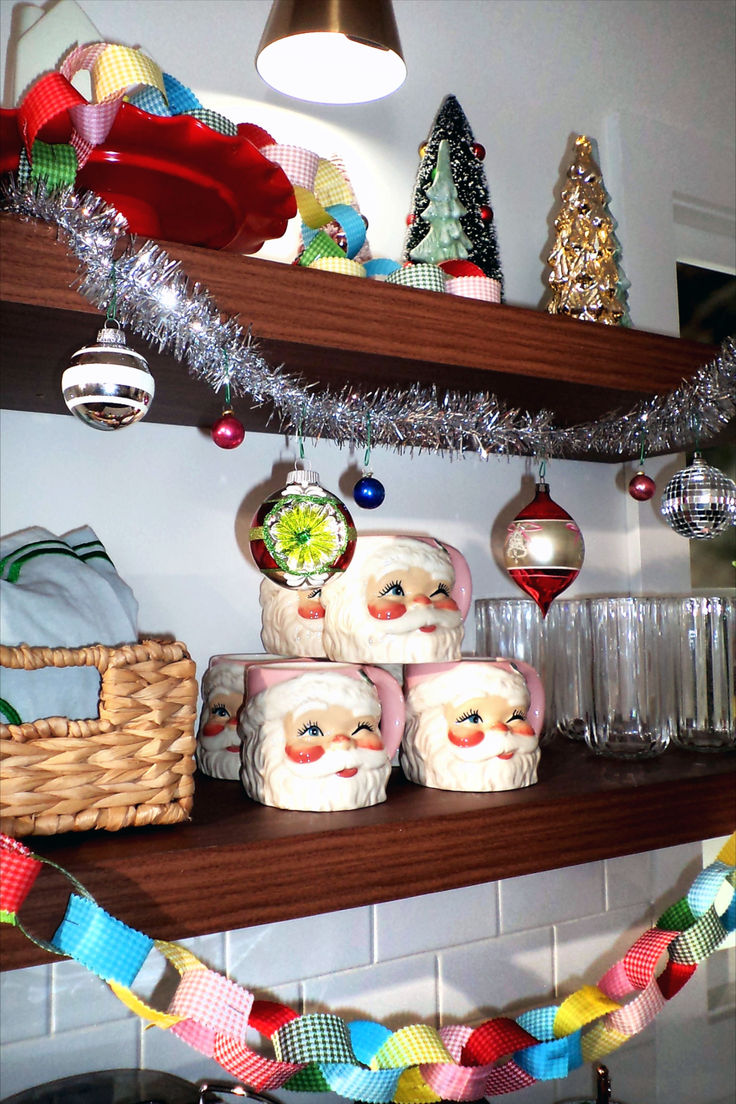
{"x": 238, "y": 863}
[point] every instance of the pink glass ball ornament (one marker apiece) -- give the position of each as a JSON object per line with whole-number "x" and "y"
{"x": 642, "y": 487}
{"x": 108, "y": 386}
{"x": 228, "y": 431}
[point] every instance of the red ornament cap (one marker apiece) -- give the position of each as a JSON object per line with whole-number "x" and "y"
{"x": 642, "y": 487}
{"x": 544, "y": 549}
{"x": 228, "y": 431}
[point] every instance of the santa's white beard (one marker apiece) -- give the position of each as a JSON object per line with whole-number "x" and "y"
{"x": 269, "y": 777}
{"x": 218, "y": 762}
{"x": 360, "y": 638}
{"x": 283, "y": 631}
{"x": 428, "y": 757}
{"x": 294, "y": 637}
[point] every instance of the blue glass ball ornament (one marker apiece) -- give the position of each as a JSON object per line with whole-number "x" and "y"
{"x": 369, "y": 492}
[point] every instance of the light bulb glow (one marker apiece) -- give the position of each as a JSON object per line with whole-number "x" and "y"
{"x": 329, "y": 67}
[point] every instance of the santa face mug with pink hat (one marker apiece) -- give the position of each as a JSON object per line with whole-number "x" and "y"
{"x": 402, "y": 599}
{"x": 472, "y": 725}
{"x": 319, "y": 737}
{"x": 223, "y": 690}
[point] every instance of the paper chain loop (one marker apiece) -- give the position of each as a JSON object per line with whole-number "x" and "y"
{"x": 362, "y": 1060}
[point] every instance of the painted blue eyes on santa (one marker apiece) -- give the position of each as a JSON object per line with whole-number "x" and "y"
{"x": 396, "y": 590}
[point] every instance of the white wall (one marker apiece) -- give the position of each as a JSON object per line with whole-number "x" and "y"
{"x": 653, "y": 81}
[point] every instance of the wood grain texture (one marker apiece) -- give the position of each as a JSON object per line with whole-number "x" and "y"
{"x": 239, "y": 863}
{"x": 341, "y": 330}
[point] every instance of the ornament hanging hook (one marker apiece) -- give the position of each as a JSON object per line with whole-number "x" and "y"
{"x": 228, "y": 370}
{"x": 367, "y": 454}
{"x": 300, "y": 434}
{"x": 111, "y": 314}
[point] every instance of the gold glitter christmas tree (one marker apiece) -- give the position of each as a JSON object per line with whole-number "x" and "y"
{"x": 586, "y": 280}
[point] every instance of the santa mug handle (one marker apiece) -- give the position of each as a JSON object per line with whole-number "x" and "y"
{"x": 535, "y": 713}
{"x": 393, "y": 707}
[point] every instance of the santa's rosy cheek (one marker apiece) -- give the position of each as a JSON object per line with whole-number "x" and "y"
{"x": 463, "y": 737}
{"x": 311, "y": 611}
{"x": 370, "y": 740}
{"x": 213, "y": 728}
{"x": 522, "y": 728}
{"x": 304, "y": 754}
{"x": 445, "y": 604}
{"x": 383, "y": 609}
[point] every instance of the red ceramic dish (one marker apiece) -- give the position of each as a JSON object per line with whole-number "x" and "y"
{"x": 178, "y": 180}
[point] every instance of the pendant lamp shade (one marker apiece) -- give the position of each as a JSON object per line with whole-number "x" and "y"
{"x": 332, "y": 51}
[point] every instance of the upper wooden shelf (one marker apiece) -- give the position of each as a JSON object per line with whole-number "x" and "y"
{"x": 334, "y": 329}
{"x": 239, "y": 863}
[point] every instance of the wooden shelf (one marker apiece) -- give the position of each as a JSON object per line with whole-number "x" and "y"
{"x": 333, "y": 329}
{"x": 239, "y": 863}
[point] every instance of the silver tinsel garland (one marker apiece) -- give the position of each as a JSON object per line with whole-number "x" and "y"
{"x": 157, "y": 300}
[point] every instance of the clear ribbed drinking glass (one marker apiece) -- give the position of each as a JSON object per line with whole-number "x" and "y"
{"x": 633, "y": 691}
{"x": 701, "y": 632}
{"x": 569, "y": 666}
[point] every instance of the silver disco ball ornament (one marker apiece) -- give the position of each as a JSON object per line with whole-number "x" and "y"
{"x": 699, "y": 502}
{"x": 108, "y": 385}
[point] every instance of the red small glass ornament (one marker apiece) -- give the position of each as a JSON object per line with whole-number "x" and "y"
{"x": 228, "y": 431}
{"x": 410, "y": 219}
{"x": 544, "y": 549}
{"x": 479, "y": 151}
{"x": 642, "y": 487}
{"x": 486, "y": 213}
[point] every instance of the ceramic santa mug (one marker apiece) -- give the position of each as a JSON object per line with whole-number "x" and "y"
{"x": 472, "y": 725}
{"x": 402, "y": 599}
{"x": 291, "y": 620}
{"x": 223, "y": 691}
{"x": 319, "y": 737}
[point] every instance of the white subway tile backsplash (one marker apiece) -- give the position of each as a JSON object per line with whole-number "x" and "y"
{"x": 271, "y": 954}
{"x": 395, "y": 993}
{"x": 585, "y": 949}
{"x": 25, "y": 1003}
{"x": 673, "y": 871}
{"x": 106, "y": 1046}
{"x": 628, "y": 880}
{"x": 436, "y": 920}
{"x": 500, "y": 976}
{"x": 534, "y": 900}
{"x": 80, "y": 998}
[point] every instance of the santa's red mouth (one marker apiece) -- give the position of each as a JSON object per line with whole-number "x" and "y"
{"x": 506, "y": 755}
{"x": 235, "y": 748}
{"x": 427, "y": 628}
{"x": 349, "y": 772}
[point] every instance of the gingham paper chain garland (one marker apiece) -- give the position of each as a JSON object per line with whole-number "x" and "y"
{"x": 362, "y": 1060}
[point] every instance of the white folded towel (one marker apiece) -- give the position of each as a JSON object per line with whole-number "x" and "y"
{"x": 59, "y": 591}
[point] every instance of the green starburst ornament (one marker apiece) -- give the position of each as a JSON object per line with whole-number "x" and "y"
{"x": 303, "y": 534}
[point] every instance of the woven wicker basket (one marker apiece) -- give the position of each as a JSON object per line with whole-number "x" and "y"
{"x": 130, "y": 766}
